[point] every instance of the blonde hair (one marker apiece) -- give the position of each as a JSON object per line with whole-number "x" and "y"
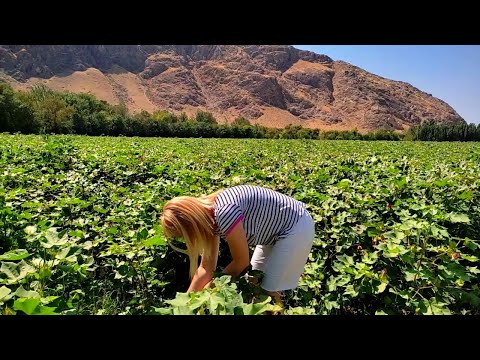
{"x": 191, "y": 218}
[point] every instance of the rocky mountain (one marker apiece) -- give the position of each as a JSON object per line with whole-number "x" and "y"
{"x": 268, "y": 84}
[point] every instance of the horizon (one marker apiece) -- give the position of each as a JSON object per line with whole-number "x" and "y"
{"x": 448, "y": 72}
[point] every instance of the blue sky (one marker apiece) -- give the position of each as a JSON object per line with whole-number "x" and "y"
{"x": 448, "y": 72}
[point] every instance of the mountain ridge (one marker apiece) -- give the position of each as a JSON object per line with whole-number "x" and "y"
{"x": 272, "y": 85}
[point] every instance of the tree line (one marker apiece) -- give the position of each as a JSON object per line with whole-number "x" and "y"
{"x": 41, "y": 110}
{"x": 432, "y": 131}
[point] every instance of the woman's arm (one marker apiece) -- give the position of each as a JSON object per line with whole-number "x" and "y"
{"x": 237, "y": 242}
{"x": 204, "y": 273}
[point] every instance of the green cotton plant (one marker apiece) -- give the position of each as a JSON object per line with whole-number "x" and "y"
{"x": 57, "y": 258}
{"x": 222, "y": 298}
{"x": 397, "y": 223}
{"x": 403, "y": 259}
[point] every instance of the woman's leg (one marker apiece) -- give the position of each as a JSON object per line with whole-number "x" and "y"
{"x": 259, "y": 259}
{"x": 287, "y": 258}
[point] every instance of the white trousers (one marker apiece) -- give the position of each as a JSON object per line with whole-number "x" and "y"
{"x": 283, "y": 262}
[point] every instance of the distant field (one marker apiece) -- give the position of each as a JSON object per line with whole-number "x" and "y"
{"x": 397, "y": 223}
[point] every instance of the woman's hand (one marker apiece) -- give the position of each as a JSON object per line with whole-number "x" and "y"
{"x": 209, "y": 285}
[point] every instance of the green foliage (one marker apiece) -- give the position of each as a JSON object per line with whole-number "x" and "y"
{"x": 205, "y": 117}
{"x": 397, "y": 223}
{"x": 51, "y": 112}
{"x": 15, "y": 115}
{"x": 225, "y": 297}
{"x": 41, "y": 110}
{"x": 241, "y": 121}
{"x": 355, "y": 135}
{"x": 432, "y": 131}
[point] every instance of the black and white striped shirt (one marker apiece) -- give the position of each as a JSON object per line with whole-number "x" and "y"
{"x": 267, "y": 215}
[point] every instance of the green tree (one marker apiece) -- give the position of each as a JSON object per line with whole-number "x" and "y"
{"x": 205, "y": 117}
{"x": 15, "y": 114}
{"x": 241, "y": 121}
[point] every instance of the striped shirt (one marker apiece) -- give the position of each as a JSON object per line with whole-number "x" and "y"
{"x": 267, "y": 215}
